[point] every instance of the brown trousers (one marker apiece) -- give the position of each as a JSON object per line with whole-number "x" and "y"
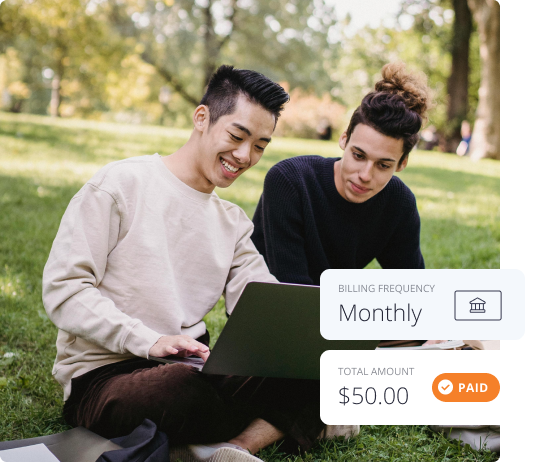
{"x": 192, "y": 407}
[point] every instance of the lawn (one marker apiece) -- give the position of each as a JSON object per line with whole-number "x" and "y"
{"x": 44, "y": 162}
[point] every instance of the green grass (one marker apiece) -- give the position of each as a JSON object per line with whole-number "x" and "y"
{"x": 44, "y": 162}
{"x": 387, "y": 443}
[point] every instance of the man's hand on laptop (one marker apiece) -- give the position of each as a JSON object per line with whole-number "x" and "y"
{"x": 180, "y": 345}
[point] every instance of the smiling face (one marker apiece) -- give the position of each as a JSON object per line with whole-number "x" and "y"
{"x": 233, "y": 144}
{"x": 370, "y": 160}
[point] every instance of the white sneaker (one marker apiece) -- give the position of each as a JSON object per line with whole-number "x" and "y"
{"x": 220, "y": 452}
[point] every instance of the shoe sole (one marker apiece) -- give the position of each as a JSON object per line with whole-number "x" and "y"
{"x": 220, "y": 455}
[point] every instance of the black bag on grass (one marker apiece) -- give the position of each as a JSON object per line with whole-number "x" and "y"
{"x": 144, "y": 444}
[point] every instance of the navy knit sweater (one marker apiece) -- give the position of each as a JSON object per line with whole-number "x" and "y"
{"x": 303, "y": 226}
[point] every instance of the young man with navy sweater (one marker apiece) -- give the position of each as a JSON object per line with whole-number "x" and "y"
{"x": 318, "y": 213}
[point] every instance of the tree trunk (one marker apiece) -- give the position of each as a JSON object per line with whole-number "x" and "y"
{"x": 122, "y": 23}
{"x": 212, "y": 43}
{"x": 486, "y": 134}
{"x": 458, "y": 82}
{"x": 55, "y": 96}
{"x": 175, "y": 83}
{"x": 212, "y": 48}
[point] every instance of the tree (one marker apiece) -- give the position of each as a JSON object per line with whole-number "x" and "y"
{"x": 186, "y": 40}
{"x": 58, "y": 42}
{"x": 428, "y": 18}
{"x": 485, "y": 140}
{"x": 458, "y": 82}
{"x": 366, "y": 53}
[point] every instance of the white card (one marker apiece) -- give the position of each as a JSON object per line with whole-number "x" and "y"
{"x": 28, "y": 454}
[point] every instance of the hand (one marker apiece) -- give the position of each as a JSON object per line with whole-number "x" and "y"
{"x": 180, "y": 345}
{"x": 433, "y": 342}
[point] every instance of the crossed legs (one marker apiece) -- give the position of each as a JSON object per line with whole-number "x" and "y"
{"x": 193, "y": 408}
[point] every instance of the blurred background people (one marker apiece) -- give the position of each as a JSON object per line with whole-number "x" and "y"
{"x": 324, "y": 130}
{"x": 466, "y": 135}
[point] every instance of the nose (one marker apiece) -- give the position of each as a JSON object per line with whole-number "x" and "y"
{"x": 242, "y": 153}
{"x": 365, "y": 172}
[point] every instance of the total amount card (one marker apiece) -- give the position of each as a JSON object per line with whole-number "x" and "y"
{"x": 410, "y": 388}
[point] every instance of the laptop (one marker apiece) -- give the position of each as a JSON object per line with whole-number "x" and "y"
{"x": 274, "y": 331}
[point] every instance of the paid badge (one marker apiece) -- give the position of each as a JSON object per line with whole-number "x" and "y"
{"x": 461, "y": 388}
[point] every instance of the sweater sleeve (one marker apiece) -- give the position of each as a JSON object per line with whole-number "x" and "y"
{"x": 247, "y": 265}
{"x": 403, "y": 250}
{"x": 279, "y": 223}
{"x": 87, "y": 234}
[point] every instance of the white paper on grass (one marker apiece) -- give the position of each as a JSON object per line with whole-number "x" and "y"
{"x": 36, "y": 452}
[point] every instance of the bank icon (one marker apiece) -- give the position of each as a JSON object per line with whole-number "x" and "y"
{"x": 478, "y": 305}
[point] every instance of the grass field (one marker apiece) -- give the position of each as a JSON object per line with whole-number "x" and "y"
{"x": 44, "y": 162}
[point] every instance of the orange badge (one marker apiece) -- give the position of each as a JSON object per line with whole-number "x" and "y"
{"x": 457, "y": 388}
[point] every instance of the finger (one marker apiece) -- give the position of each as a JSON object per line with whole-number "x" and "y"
{"x": 198, "y": 345}
{"x": 170, "y": 350}
{"x": 190, "y": 347}
{"x": 203, "y": 354}
{"x": 201, "y": 346}
{"x": 193, "y": 345}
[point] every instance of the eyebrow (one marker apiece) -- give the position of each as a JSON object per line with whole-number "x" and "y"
{"x": 381, "y": 160}
{"x": 248, "y": 132}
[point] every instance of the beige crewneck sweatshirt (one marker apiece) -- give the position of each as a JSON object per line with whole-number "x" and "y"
{"x": 139, "y": 254}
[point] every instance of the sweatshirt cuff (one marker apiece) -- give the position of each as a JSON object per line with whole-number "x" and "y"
{"x": 140, "y": 340}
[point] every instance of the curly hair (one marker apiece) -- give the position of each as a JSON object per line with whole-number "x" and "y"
{"x": 397, "y": 107}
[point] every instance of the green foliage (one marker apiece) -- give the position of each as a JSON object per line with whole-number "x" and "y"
{"x": 432, "y": 21}
{"x": 369, "y": 50}
{"x": 44, "y": 162}
{"x": 422, "y": 39}
{"x": 281, "y": 38}
{"x": 115, "y": 56}
{"x": 65, "y": 38}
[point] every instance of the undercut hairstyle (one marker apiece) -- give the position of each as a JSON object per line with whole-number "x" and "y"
{"x": 228, "y": 83}
{"x": 396, "y": 108}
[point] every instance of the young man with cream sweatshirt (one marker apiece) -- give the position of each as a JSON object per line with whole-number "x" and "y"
{"x": 144, "y": 251}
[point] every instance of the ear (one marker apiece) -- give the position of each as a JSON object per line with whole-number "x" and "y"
{"x": 201, "y": 117}
{"x": 403, "y": 164}
{"x": 343, "y": 140}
